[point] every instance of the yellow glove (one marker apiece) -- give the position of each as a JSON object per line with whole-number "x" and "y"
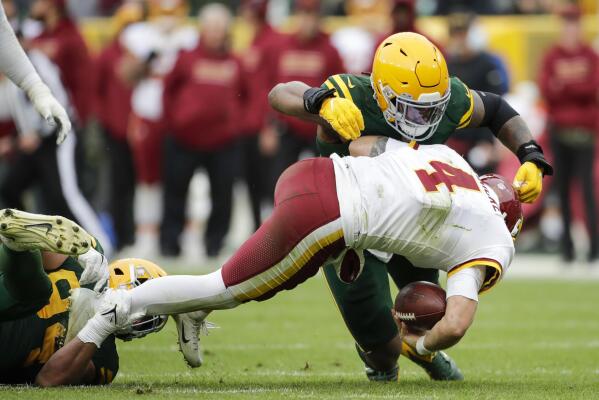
{"x": 343, "y": 115}
{"x": 528, "y": 182}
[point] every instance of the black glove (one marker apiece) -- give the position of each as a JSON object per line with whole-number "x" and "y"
{"x": 314, "y": 97}
{"x": 531, "y": 151}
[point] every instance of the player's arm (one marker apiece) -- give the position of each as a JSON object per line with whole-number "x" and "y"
{"x": 368, "y": 146}
{"x": 319, "y": 105}
{"x": 71, "y": 365}
{"x": 459, "y": 315}
{"x": 492, "y": 111}
{"x": 17, "y": 67}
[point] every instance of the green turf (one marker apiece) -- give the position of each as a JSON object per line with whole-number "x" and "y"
{"x": 531, "y": 340}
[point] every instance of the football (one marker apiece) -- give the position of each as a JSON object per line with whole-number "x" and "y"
{"x": 420, "y": 305}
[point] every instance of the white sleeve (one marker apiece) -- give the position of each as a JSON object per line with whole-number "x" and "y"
{"x": 13, "y": 60}
{"x": 394, "y": 144}
{"x": 466, "y": 282}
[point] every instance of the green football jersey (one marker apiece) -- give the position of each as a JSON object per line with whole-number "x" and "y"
{"x": 357, "y": 88}
{"x": 27, "y": 343}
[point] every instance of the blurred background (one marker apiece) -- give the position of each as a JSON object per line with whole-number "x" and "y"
{"x": 175, "y": 151}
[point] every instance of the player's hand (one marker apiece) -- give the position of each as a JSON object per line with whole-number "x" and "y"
{"x": 95, "y": 269}
{"x": 50, "y": 109}
{"x": 528, "y": 182}
{"x": 343, "y": 115}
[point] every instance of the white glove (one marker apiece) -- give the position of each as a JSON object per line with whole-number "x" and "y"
{"x": 50, "y": 109}
{"x": 95, "y": 269}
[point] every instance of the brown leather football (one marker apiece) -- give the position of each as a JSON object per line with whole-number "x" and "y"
{"x": 420, "y": 305}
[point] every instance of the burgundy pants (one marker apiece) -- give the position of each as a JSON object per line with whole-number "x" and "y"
{"x": 303, "y": 231}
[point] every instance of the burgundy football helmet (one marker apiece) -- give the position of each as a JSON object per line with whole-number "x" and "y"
{"x": 509, "y": 205}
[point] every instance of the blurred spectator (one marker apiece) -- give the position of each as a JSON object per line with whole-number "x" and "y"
{"x": 481, "y": 70}
{"x": 61, "y": 41}
{"x": 203, "y": 97}
{"x": 403, "y": 19}
{"x": 113, "y": 109}
{"x": 445, "y": 7}
{"x": 152, "y": 49}
{"x": 39, "y": 160}
{"x": 307, "y": 56}
{"x": 569, "y": 81}
{"x": 260, "y": 65}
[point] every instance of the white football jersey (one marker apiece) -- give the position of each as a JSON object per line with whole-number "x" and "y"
{"x": 426, "y": 204}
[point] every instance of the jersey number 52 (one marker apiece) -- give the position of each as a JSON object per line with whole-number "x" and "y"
{"x": 447, "y": 175}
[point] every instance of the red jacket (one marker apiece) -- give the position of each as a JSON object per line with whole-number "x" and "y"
{"x": 260, "y": 65}
{"x": 112, "y": 100}
{"x": 66, "y": 48}
{"x": 569, "y": 82}
{"x": 203, "y": 99}
{"x": 309, "y": 62}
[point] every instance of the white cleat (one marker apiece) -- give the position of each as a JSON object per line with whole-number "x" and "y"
{"x": 189, "y": 330}
{"x": 22, "y": 231}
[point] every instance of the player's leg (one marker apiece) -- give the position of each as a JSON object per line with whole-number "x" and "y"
{"x": 365, "y": 306}
{"x": 302, "y": 233}
{"x": 24, "y": 285}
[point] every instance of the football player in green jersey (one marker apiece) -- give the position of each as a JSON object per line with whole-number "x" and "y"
{"x": 48, "y": 264}
{"x": 408, "y": 96}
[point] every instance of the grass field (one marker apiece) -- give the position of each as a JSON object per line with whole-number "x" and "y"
{"x": 531, "y": 340}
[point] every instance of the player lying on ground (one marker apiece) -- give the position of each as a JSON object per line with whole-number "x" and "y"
{"x": 423, "y": 202}
{"x": 408, "y": 96}
{"x": 16, "y": 66}
{"x": 37, "y": 320}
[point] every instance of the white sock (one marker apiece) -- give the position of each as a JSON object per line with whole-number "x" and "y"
{"x": 182, "y": 294}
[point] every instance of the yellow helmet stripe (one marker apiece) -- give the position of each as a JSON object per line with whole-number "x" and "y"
{"x": 343, "y": 87}
{"x": 465, "y": 120}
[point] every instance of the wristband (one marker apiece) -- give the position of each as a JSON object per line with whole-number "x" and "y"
{"x": 533, "y": 152}
{"x": 420, "y": 349}
{"x": 314, "y": 97}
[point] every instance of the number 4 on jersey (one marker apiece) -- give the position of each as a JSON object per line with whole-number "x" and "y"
{"x": 447, "y": 175}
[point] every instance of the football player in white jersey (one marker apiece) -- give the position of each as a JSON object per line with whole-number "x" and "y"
{"x": 423, "y": 202}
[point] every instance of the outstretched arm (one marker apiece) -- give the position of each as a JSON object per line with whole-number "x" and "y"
{"x": 71, "y": 365}
{"x": 492, "y": 111}
{"x": 288, "y": 98}
{"x": 318, "y": 105}
{"x": 17, "y": 67}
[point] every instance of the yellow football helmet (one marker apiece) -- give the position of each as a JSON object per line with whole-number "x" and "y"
{"x": 411, "y": 84}
{"x": 129, "y": 273}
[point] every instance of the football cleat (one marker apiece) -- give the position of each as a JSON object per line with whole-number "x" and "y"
{"x": 374, "y": 375}
{"x": 439, "y": 366}
{"x": 189, "y": 330}
{"x": 22, "y": 231}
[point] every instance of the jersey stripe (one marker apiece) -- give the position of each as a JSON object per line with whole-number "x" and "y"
{"x": 343, "y": 87}
{"x": 330, "y": 85}
{"x": 490, "y": 278}
{"x": 284, "y": 270}
{"x": 468, "y": 115}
